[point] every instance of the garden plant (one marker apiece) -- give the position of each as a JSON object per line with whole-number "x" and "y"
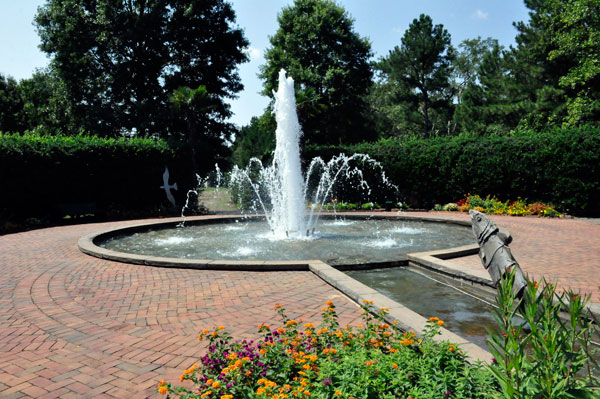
{"x": 542, "y": 348}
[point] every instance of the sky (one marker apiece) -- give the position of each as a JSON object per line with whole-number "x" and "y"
{"x": 383, "y": 22}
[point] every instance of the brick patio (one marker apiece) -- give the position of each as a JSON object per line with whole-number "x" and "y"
{"x": 74, "y": 326}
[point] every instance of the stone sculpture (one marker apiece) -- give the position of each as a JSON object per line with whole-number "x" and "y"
{"x": 494, "y": 252}
{"x": 167, "y": 187}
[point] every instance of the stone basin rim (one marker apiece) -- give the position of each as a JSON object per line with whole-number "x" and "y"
{"x": 88, "y": 244}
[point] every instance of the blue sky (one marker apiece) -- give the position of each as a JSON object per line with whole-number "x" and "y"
{"x": 383, "y": 22}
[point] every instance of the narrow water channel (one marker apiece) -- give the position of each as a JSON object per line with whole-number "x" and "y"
{"x": 463, "y": 313}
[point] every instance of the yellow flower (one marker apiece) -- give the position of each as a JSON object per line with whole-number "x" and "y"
{"x": 162, "y": 390}
{"x": 260, "y": 390}
{"x": 337, "y": 393}
{"x": 227, "y": 397}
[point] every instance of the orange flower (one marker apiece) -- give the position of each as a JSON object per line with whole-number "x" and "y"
{"x": 290, "y": 323}
{"x": 337, "y": 393}
{"x": 221, "y": 328}
{"x": 308, "y": 325}
{"x": 277, "y": 306}
{"x": 205, "y": 331}
{"x": 162, "y": 390}
{"x": 440, "y": 323}
{"x": 329, "y": 303}
{"x": 216, "y": 384}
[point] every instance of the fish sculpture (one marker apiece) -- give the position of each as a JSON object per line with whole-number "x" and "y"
{"x": 167, "y": 187}
{"x": 494, "y": 252}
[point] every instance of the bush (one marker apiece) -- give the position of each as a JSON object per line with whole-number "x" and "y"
{"x": 549, "y": 353}
{"x": 559, "y": 167}
{"x": 374, "y": 360}
{"x": 117, "y": 175}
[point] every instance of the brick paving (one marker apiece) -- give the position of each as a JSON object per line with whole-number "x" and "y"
{"x": 566, "y": 251}
{"x": 74, "y": 326}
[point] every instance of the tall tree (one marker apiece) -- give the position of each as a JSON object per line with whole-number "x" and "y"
{"x": 46, "y": 105}
{"x": 421, "y": 66}
{"x": 11, "y": 105}
{"x": 488, "y": 102}
{"x": 542, "y": 100}
{"x": 329, "y": 62}
{"x": 576, "y": 36}
{"x": 121, "y": 60}
{"x": 468, "y": 60}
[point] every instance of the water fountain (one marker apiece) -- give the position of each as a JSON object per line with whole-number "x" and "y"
{"x": 292, "y": 206}
{"x": 290, "y": 230}
{"x": 280, "y": 191}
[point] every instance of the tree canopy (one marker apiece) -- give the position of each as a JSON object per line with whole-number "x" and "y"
{"x": 121, "y": 60}
{"x": 329, "y": 62}
{"x": 421, "y": 68}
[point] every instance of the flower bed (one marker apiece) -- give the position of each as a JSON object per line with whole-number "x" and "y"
{"x": 492, "y": 205}
{"x": 301, "y": 359}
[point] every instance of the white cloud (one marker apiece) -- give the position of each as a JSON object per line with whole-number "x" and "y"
{"x": 254, "y": 53}
{"x": 479, "y": 14}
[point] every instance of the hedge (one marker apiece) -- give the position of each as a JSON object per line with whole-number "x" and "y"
{"x": 561, "y": 167}
{"x": 39, "y": 173}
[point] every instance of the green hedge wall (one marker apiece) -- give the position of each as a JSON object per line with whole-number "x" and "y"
{"x": 37, "y": 173}
{"x": 561, "y": 167}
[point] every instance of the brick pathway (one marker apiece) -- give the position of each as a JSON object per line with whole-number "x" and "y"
{"x": 563, "y": 250}
{"x": 74, "y": 326}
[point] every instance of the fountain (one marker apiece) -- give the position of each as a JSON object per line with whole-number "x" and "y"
{"x": 280, "y": 191}
{"x": 289, "y": 231}
{"x": 292, "y": 206}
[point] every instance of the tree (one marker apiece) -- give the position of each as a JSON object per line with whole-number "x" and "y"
{"x": 121, "y": 60}
{"x": 256, "y": 140}
{"x": 576, "y": 36}
{"x": 197, "y": 107}
{"x": 467, "y": 62}
{"x": 488, "y": 104}
{"x": 541, "y": 99}
{"x": 421, "y": 68}
{"x": 328, "y": 61}
{"x": 45, "y": 104}
{"x": 11, "y": 105}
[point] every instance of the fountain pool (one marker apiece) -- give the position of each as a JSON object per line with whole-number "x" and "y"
{"x": 336, "y": 241}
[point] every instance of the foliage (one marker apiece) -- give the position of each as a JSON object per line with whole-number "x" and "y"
{"x": 557, "y": 167}
{"x": 257, "y": 139}
{"x": 317, "y": 45}
{"x": 120, "y": 61}
{"x": 547, "y": 354}
{"x": 421, "y": 68}
{"x": 118, "y": 175}
{"x": 576, "y": 37}
{"x": 11, "y": 104}
{"x": 372, "y": 360}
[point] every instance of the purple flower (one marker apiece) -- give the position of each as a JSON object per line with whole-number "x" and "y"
{"x": 326, "y": 381}
{"x": 447, "y": 394}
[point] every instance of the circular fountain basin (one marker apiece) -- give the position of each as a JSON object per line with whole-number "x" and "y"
{"x": 335, "y": 241}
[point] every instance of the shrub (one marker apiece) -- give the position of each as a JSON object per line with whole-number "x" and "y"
{"x": 327, "y": 361}
{"x": 451, "y": 207}
{"x": 116, "y": 174}
{"x": 558, "y": 167}
{"x": 549, "y": 353}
